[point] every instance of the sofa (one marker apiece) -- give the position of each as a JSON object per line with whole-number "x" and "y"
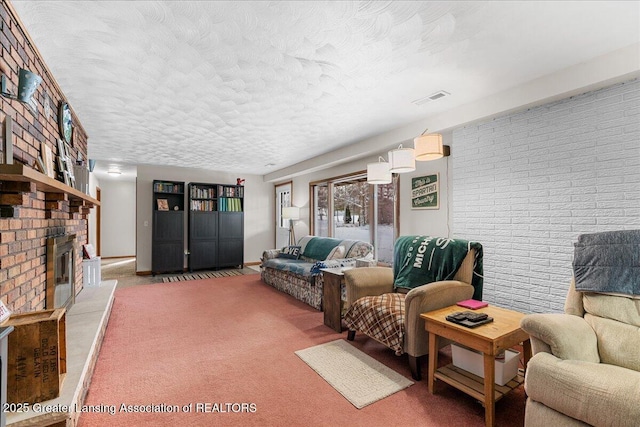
{"x": 295, "y": 270}
{"x": 585, "y": 368}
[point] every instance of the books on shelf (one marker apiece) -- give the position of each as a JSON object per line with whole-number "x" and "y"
{"x": 203, "y": 205}
{"x": 203, "y": 192}
{"x": 167, "y": 187}
{"x": 229, "y": 204}
{"x": 230, "y": 191}
{"x": 205, "y": 197}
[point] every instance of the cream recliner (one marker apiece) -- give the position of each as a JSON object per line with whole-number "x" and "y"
{"x": 586, "y": 364}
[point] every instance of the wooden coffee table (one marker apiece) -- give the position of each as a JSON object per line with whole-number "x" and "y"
{"x": 490, "y": 339}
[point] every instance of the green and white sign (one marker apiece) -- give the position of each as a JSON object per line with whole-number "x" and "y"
{"x": 425, "y": 192}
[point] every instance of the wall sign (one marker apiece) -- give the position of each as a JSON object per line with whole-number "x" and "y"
{"x": 425, "y": 192}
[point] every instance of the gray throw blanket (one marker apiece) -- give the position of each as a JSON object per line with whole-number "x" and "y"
{"x": 608, "y": 262}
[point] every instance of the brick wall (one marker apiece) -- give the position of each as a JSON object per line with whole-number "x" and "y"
{"x": 23, "y": 234}
{"x": 526, "y": 185}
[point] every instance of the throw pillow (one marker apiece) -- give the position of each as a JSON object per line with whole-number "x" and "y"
{"x": 337, "y": 252}
{"x": 290, "y": 252}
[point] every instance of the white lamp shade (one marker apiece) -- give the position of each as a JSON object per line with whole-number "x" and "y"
{"x": 291, "y": 212}
{"x": 428, "y": 147}
{"x": 402, "y": 160}
{"x": 378, "y": 173}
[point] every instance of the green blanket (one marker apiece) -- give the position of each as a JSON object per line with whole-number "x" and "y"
{"x": 320, "y": 247}
{"x": 425, "y": 259}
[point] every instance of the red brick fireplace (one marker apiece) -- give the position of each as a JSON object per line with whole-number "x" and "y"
{"x": 34, "y": 207}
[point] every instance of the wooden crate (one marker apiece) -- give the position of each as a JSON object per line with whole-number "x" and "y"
{"x": 37, "y": 356}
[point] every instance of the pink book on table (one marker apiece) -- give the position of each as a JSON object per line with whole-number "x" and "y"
{"x": 472, "y": 304}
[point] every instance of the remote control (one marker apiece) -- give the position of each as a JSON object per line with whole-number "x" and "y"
{"x": 476, "y": 317}
{"x": 458, "y": 316}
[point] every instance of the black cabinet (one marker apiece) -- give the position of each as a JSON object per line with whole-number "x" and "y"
{"x": 167, "y": 246}
{"x": 216, "y": 226}
{"x": 231, "y": 241}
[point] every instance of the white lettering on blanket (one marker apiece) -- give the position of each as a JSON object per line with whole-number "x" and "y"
{"x": 441, "y": 242}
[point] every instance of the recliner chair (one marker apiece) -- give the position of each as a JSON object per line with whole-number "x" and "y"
{"x": 586, "y": 364}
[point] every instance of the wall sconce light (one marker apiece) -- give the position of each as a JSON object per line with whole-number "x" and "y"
{"x": 379, "y": 173}
{"x": 402, "y": 160}
{"x": 429, "y": 147}
{"x": 28, "y": 83}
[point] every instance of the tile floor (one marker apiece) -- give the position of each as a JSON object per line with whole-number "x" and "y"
{"x": 124, "y": 271}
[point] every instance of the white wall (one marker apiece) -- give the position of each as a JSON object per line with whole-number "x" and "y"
{"x": 527, "y": 184}
{"x": 432, "y": 222}
{"x": 118, "y": 217}
{"x": 258, "y": 208}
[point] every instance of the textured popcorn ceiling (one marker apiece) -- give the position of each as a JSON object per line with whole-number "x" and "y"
{"x": 234, "y": 86}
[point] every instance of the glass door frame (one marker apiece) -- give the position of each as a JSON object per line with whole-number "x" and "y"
{"x": 278, "y": 210}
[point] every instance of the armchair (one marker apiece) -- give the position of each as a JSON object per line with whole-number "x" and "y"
{"x": 390, "y": 314}
{"x": 586, "y": 364}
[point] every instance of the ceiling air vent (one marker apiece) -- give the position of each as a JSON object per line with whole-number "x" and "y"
{"x": 432, "y": 97}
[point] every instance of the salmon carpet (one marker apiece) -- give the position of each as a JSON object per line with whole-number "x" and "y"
{"x": 220, "y": 352}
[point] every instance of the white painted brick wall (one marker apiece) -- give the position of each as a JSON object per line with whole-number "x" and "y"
{"x": 526, "y": 185}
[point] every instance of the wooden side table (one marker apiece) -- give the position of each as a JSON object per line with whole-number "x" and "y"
{"x": 490, "y": 339}
{"x": 332, "y": 298}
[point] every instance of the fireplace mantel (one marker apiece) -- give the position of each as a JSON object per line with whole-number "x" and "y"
{"x": 17, "y": 180}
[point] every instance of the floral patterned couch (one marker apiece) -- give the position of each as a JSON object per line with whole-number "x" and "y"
{"x": 301, "y": 277}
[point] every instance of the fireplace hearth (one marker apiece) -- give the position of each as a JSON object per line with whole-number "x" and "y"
{"x": 60, "y": 288}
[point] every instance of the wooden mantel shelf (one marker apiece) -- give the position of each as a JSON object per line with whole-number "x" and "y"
{"x": 23, "y": 173}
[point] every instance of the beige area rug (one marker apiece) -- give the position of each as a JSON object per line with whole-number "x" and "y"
{"x": 360, "y": 378}
{"x": 203, "y": 275}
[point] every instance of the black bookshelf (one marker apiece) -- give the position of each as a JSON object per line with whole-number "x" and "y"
{"x": 216, "y": 226}
{"x": 167, "y": 247}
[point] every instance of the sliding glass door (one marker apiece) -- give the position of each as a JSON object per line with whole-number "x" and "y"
{"x": 349, "y": 208}
{"x": 386, "y": 217}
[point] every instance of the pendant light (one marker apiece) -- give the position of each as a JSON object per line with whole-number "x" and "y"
{"x": 379, "y": 173}
{"x": 429, "y": 147}
{"x": 402, "y": 160}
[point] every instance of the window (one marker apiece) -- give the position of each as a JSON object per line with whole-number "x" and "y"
{"x": 284, "y": 200}
{"x": 321, "y": 209}
{"x": 348, "y": 208}
{"x": 386, "y": 214}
